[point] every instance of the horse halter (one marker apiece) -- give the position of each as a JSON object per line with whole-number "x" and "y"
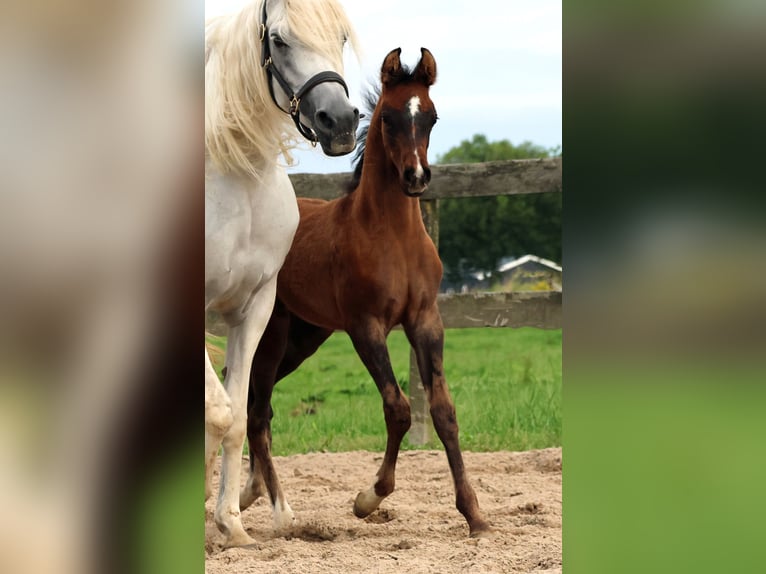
{"x": 295, "y": 97}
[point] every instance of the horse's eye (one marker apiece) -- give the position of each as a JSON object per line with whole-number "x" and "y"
{"x": 278, "y": 42}
{"x": 386, "y": 119}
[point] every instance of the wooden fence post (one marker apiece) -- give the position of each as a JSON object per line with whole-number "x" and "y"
{"x": 420, "y": 431}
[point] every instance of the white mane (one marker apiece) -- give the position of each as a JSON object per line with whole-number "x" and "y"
{"x": 242, "y": 123}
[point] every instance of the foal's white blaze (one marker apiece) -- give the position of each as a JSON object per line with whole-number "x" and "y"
{"x": 414, "y": 107}
{"x": 418, "y": 168}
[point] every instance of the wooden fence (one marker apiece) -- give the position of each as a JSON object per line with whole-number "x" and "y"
{"x": 535, "y": 309}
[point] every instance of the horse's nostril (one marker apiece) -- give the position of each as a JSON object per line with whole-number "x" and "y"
{"x": 324, "y": 121}
{"x": 427, "y": 174}
{"x": 409, "y": 174}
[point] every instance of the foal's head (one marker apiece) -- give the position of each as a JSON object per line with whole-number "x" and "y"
{"x": 405, "y": 115}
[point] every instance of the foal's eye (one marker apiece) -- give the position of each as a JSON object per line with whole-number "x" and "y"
{"x": 278, "y": 42}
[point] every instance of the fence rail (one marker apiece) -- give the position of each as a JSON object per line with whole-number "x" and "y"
{"x": 532, "y": 309}
{"x": 510, "y": 177}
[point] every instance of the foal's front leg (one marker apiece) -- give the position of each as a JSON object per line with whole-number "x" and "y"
{"x": 426, "y": 335}
{"x": 370, "y": 343}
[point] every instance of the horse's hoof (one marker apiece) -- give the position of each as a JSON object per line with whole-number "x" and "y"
{"x": 239, "y": 538}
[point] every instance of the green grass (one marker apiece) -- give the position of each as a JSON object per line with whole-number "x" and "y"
{"x": 506, "y": 384}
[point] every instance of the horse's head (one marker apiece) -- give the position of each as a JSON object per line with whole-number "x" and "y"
{"x": 302, "y": 49}
{"x": 407, "y": 114}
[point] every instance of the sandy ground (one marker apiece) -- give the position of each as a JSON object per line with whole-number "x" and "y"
{"x": 416, "y": 530}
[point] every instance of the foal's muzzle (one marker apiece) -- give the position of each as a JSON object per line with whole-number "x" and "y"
{"x": 414, "y": 185}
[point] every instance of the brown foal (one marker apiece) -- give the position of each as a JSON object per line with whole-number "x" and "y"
{"x": 363, "y": 264}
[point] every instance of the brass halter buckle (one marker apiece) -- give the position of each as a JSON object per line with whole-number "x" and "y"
{"x": 294, "y": 105}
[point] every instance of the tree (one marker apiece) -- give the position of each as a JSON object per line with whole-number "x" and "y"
{"x": 476, "y": 233}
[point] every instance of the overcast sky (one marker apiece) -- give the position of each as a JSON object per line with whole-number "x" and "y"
{"x": 499, "y": 66}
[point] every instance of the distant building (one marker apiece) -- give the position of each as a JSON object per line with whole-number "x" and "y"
{"x": 529, "y": 273}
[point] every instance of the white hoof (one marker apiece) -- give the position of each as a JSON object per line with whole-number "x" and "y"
{"x": 284, "y": 518}
{"x": 366, "y": 502}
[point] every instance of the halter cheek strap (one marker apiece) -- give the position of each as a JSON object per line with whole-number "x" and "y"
{"x": 295, "y": 97}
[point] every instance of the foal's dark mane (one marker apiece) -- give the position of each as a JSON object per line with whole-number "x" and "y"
{"x": 370, "y": 97}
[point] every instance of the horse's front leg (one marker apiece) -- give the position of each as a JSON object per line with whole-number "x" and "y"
{"x": 370, "y": 343}
{"x": 426, "y": 334}
{"x": 242, "y": 343}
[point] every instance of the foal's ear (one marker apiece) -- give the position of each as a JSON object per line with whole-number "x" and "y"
{"x": 426, "y": 70}
{"x": 392, "y": 67}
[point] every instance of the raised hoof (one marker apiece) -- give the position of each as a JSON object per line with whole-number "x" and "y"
{"x": 254, "y": 488}
{"x": 247, "y": 497}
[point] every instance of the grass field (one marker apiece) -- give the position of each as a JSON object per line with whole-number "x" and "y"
{"x": 506, "y": 384}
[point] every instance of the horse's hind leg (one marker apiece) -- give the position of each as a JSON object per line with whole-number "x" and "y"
{"x": 288, "y": 341}
{"x": 370, "y": 343}
{"x": 426, "y": 334}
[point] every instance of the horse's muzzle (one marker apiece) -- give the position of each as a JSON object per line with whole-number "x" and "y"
{"x": 341, "y": 144}
{"x": 335, "y": 126}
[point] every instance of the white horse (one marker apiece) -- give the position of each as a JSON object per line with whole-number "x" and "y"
{"x": 274, "y": 64}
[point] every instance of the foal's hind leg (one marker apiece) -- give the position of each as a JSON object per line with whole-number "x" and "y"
{"x": 426, "y": 334}
{"x": 288, "y": 341}
{"x": 370, "y": 343}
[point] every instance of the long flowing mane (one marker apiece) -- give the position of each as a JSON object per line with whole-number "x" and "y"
{"x": 242, "y": 124}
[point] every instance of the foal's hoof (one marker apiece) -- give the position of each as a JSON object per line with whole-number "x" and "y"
{"x": 482, "y": 530}
{"x": 284, "y": 520}
{"x": 366, "y": 502}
